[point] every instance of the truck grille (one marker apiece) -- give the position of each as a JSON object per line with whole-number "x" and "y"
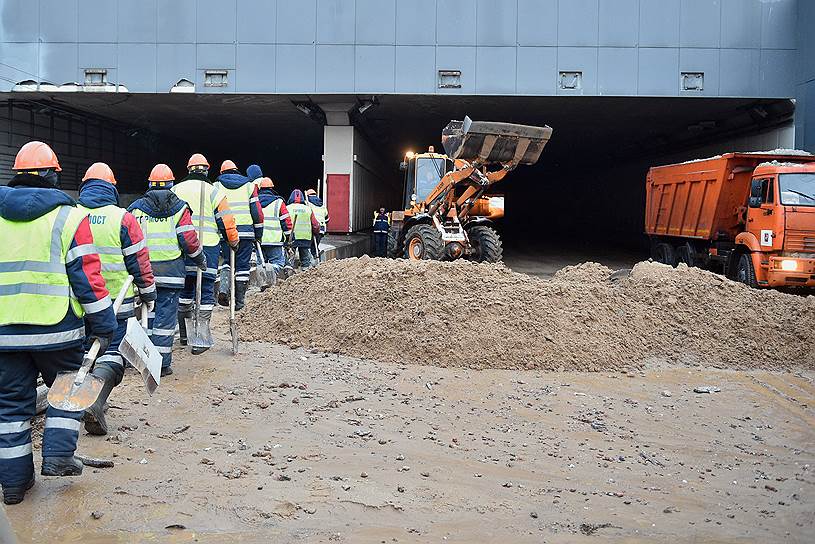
{"x": 799, "y": 241}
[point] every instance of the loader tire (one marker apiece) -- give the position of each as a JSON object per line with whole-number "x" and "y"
{"x": 745, "y": 271}
{"x": 486, "y": 243}
{"x": 423, "y": 242}
{"x": 393, "y": 249}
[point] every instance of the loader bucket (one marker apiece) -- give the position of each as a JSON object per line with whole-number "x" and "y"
{"x": 488, "y": 142}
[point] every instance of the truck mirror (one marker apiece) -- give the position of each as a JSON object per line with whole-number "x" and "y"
{"x": 755, "y": 202}
{"x": 403, "y": 166}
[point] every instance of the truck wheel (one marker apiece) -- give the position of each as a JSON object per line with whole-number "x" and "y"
{"x": 664, "y": 253}
{"x": 486, "y": 243}
{"x": 394, "y": 251}
{"x": 745, "y": 273}
{"x": 423, "y": 242}
{"x": 684, "y": 255}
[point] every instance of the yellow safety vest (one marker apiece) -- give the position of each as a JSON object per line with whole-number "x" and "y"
{"x": 106, "y": 226}
{"x": 301, "y": 219}
{"x": 160, "y": 233}
{"x": 190, "y": 191}
{"x": 272, "y": 233}
{"x": 321, "y": 213}
{"x": 34, "y": 285}
{"x": 239, "y": 201}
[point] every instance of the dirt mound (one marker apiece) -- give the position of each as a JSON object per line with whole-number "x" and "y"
{"x": 482, "y": 315}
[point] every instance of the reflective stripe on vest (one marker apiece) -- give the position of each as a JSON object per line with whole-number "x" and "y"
{"x": 190, "y": 191}
{"x": 106, "y": 226}
{"x": 34, "y": 285}
{"x": 301, "y": 218}
{"x": 239, "y": 201}
{"x": 160, "y": 234}
{"x": 272, "y": 233}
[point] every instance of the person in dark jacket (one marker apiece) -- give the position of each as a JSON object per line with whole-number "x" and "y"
{"x": 276, "y": 225}
{"x": 123, "y": 250}
{"x": 242, "y": 194}
{"x": 51, "y": 277}
{"x": 304, "y": 227}
{"x": 171, "y": 237}
{"x": 382, "y": 225}
{"x": 321, "y": 213}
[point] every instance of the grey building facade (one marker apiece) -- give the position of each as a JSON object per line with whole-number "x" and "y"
{"x": 147, "y": 67}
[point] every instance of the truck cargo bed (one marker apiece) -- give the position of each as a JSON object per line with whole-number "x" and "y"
{"x": 704, "y": 199}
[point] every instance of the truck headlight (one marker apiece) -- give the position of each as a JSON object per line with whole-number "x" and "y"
{"x": 789, "y": 265}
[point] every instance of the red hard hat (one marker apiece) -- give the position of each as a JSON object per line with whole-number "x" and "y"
{"x": 36, "y": 156}
{"x": 228, "y": 165}
{"x": 99, "y": 170}
{"x": 197, "y": 159}
{"x": 266, "y": 183}
{"x": 161, "y": 172}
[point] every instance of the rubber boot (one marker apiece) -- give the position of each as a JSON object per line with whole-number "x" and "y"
{"x": 95, "y": 422}
{"x": 223, "y": 288}
{"x": 204, "y": 322}
{"x": 16, "y": 494}
{"x": 240, "y": 294}
{"x": 182, "y": 328}
{"x": 61, "y": 466}
{"x": 166, "y": 371}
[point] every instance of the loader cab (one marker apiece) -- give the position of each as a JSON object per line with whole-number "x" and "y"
{"x": 423, "y": 171}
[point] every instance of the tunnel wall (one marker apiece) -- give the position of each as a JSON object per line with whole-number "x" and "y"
{"x": 78, "y": 140}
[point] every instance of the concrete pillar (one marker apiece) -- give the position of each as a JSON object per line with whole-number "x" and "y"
{"x": 356, "y": 180}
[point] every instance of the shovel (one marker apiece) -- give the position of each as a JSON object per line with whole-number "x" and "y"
{"x": 233, "y": 324}
{"x": 76, "y": 391}
{"x": 266, "y": 277}
{"x": 199, "y": 337}
{"x": 139, "y": 351}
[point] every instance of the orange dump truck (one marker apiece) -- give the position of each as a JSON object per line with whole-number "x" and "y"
{"x": 750, "y": 216}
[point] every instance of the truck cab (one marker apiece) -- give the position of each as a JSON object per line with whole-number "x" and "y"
{"x": 780, "y": 225}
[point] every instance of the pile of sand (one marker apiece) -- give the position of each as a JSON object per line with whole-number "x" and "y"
{"x": 482, "y": 315}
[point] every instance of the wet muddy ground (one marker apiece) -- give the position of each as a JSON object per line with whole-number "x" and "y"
{"x": 280, "y": 445}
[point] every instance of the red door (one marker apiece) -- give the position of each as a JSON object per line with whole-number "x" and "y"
{"x": 338, "y": 192}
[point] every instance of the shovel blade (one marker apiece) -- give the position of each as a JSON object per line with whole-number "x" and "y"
{"x": 198, "y": 334}
{"x": 66, "y": 395}
{"x": 139, "y": 351}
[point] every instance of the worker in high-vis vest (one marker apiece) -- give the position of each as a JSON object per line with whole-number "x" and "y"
{"x": 171, "y": 237}
{"x": 123, "y": 251}
{"x": 242, "y": 195}
{"x": 50, "y": 278}
{"x": 276, "y": 225}
{"x": 382, "y": 224}
{"x": 321, "y": 213}
{"x": 218, "y": 222}
{"x": 304, "y": 226}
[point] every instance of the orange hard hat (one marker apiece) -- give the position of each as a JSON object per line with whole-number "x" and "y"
{"x": 36, "y": 156}
{"x": 197, "y": 159}
{"x": 99, "y": 170}
{"x": 228, "y": 165}
{"x": 161, "y": 172}
{"x": 266, "y": 183}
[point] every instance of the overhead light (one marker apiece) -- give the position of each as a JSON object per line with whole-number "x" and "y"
{"x": 365, "y": 107}
{"x": 305, "y": 109}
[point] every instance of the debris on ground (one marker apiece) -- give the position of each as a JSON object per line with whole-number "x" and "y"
{"x": 484, "y": 315}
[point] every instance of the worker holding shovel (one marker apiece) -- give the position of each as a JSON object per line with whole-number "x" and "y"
{"x": 50, "y": 278}
{"x": 171, "y": 237}
{"x": 123, "y": 251}
{"x": 211, "y": 214}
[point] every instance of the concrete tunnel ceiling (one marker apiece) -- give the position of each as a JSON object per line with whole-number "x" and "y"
{"x": 603, "y": 134}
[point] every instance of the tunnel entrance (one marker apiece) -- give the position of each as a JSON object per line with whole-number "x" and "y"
{"x": 584, "y": 197}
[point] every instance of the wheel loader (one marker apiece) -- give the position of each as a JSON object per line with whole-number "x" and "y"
{"x": 448, "y": 209}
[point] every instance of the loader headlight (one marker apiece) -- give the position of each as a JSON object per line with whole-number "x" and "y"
{"x": 789, "y": 265}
